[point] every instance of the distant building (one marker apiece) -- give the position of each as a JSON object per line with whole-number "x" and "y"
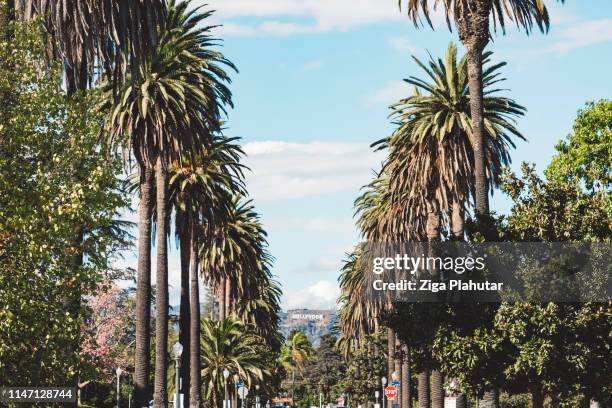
{"x": 314, "y": 323}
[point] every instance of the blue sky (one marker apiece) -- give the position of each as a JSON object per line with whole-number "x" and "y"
{"x": 315, "y": 82}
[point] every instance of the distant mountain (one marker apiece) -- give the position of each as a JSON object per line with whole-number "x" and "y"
{"x": 314, "y": 323}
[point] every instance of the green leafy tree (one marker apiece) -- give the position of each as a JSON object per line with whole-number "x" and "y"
{"x": 365, "y": 366}
{"x": 53, "y": 181}
{"x": 323, "y": 372}
{"x": 586, "y": 153}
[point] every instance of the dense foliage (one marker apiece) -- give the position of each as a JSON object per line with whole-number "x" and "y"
{"x": 57, "y": 185}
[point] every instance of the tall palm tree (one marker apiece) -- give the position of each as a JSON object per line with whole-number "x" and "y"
{"x": 235, "y": 249}
{"x": 199, "y": 191}
{"x": 431, "y": 151}
{"x": 170, "y": 111}
{"x": 83, "y": 34}
{"x": 472, "y": 20}
{"x": 229, "y": 345}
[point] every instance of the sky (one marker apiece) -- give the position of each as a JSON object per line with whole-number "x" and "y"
{"x": 315, "y": 80}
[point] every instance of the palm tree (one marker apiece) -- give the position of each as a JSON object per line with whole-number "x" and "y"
{"x": 294, "y": 355}
{"x": 171, "y": 110}
{"x": 229, "y": 345}
{"x": 199, "y": 192}
{"x": 431, "y": 151}
{"x": 471, "y": 18}
{"x": 83, "y": 34}
{"x": 234, "y": 249}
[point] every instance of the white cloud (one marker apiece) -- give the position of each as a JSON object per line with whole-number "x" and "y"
{"x": 323, "y": 15}
{"x": 321, "y": 295}
{"x": 583, "y": 34}
{"x": 284, "y": 170}
{"x": 402, "y": 44}
{"x": 389, "y": 93}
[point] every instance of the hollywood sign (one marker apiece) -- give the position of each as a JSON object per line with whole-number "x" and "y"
{"x": 302, "y": 316}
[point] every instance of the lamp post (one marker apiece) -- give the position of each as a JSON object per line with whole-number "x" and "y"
{"x": 256, "y": 395}
{"x": 119, "y": 371}
{"x": 226, "y": 374}
{"x": 376, "y": 394}
{"x": 177, "y": 350}
{"x": 383, "y": 381}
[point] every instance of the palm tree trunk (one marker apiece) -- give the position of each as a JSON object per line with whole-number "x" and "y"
{"x": 405, "y": 385}
{"x": 228, "y": 297}
{"x": 195, "y": 389}
{"x": 397, "y": 368}
{"x": 490, "y": 399}
{"x": 475, "y": 44}
{"x": 293, "y": 386}
{"x": 433, "y": 224}
{"x": 390, "y": 353}
{"x": 221, "y": 296}
{"x": 142, "y": 357}
{"x": 437, "y": 389}
{"x": 423, "y": 389}
{"x": 457, "y": 221}
{"x": 184, "y": 318}
{"x": 160, "y": 396}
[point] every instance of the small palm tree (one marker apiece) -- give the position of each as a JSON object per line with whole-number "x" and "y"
{"x": 294, "y": 355}
{"x": 229, "y": 345}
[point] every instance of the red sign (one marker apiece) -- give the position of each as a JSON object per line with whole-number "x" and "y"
{"x": 390, "y": 392}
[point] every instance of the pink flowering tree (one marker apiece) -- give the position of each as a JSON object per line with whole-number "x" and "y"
{"x": 109, "y": 332}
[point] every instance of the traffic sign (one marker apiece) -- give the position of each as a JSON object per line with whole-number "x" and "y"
{"x": 390, "y": 392}
{"x": 396, "y": 383}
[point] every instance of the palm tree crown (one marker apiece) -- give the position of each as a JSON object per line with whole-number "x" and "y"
{"x": 431, "y": 146}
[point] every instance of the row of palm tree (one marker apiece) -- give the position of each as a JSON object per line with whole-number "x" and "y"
{"x": 165, "y": 92}
{"x": 173, "y": 117}
{"x": 451, "y": 141}
{"x": 168, "y": 114}
{"x": 422, "y": 193}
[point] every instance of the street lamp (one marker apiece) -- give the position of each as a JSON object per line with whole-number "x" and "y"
{"x": 119, "y": 371}
{"x": 226, "y": 374}
{"x": 383, "y": 381}
{"x": 256, "y": 395}
{"x": 177, "y": 350}
{"x": 376, "y": 394}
